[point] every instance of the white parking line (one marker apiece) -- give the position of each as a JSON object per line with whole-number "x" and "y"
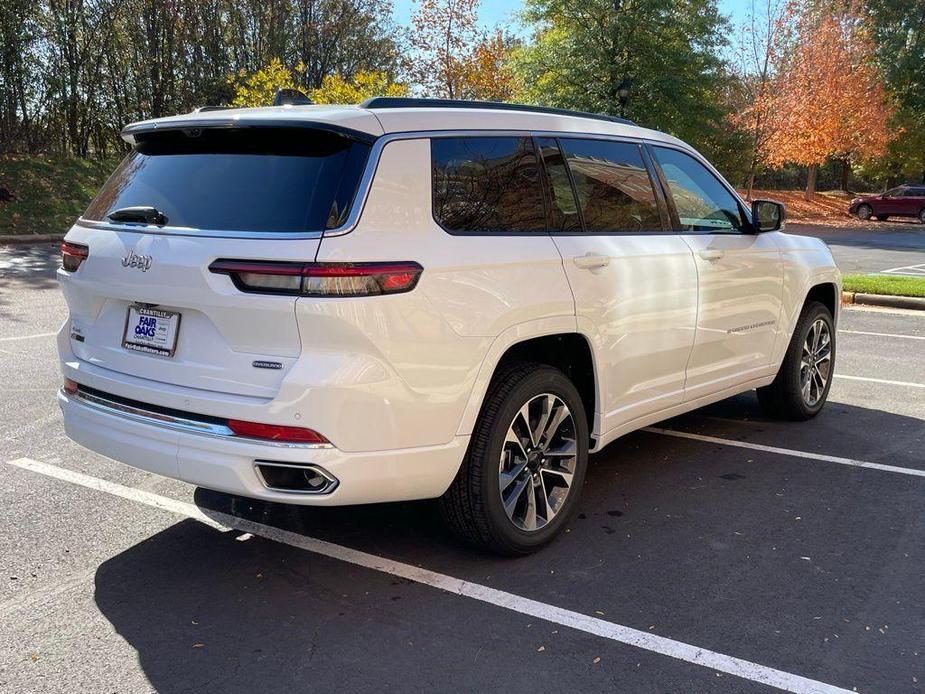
{"x": 786, "y": 451}
{"x": 913, "y": 270}
{"x": 864, "y": 332}
{"x": 26, "y": 337}
{"x": 906, "y": 384}
{"x": 557, "y": 615}
{"x": 156, "y": 500}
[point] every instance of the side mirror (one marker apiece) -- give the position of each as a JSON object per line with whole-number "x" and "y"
{"x": 768, "y": 215}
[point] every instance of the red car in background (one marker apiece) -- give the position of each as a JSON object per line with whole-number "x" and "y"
{"x": 904, "y": 201}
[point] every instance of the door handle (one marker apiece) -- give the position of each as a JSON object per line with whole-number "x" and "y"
{"x": 590, "y": 261}
{"x": 711, "y": 254}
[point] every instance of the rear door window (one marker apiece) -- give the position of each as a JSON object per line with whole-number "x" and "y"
{"x": 612, "y": 185}
{"x": 487, "y": 184}
{"x": 255, "y": 179}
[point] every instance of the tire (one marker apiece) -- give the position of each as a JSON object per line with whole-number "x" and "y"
{"x": 922, "y": 215}
{"x": 865, "y": 212}
{"x": 787, "y": 397}
{"x": 473, "y": 507}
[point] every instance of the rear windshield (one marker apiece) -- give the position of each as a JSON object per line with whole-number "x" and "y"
{"x": 256, "y": 179}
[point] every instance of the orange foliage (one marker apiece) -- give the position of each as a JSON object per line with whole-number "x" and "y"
{"x": 486, "y": 74}
{"x": 828, "y": 99}
{"x": 452, "y": 59}
{"x": 443, "y": 33}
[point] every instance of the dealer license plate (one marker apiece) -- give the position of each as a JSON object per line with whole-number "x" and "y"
{"x": 151, "y": 330}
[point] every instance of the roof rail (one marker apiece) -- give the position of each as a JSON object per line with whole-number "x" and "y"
{"x": 378, "y": 102}
{"x": 205, "y": 109}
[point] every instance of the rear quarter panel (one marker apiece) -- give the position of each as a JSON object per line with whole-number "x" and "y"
{"x": 409, "y": 365}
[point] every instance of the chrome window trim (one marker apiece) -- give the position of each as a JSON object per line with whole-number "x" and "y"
{"x": 172, "y": 422}
{"x": 365, "y": 185}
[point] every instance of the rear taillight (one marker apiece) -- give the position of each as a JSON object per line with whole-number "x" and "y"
{"x": 320, "y": 279}
{"x": 70, "y": 387}
{"x": 72, "y": 255}
{"x": 274, "y": 432}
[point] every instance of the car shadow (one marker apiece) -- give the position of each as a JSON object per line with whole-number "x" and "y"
{"x": 215, "y": 611}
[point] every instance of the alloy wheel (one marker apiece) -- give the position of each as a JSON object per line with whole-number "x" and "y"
{"x": 865, "y": 211}
{"x": 816, "y": 362}
{"x": 538, "y": 462}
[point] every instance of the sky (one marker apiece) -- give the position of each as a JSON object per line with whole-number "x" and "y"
{"x": 495, "y": 12}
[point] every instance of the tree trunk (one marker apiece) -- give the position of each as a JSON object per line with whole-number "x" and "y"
{"x": 845, "y": 171}
{"x": 811, "y": 181}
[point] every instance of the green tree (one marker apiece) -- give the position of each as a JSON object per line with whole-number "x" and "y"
{"x": 898, "y": 29}
{"x": 586, "y": 52}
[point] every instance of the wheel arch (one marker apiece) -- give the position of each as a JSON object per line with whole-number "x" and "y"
{"x": 827, "y": 294}
{"x": 564, "y": 348}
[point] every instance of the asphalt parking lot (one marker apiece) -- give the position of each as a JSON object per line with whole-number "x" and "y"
{"x": 717, "y": 552}
{"x": 875, "y": 247}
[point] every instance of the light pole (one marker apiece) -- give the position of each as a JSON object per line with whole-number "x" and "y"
{"x": 623, "y": 91}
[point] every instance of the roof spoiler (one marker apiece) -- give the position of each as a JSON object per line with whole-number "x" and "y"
{"x": 130, "y": 132}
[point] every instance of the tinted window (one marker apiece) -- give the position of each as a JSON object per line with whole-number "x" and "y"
{"x": 702, "y": 202}
{"x": 913, "y": 192}
{"x": 273, "y": 179}
{"x": 613, "y": 186}
{"x": 563, "y": 208}
{"x": 487, "y": 184}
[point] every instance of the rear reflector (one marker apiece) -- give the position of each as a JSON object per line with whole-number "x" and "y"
{"x": 320, "y": 279}
{"x": 72, "y": 255}
{"x": 274, "y": 432}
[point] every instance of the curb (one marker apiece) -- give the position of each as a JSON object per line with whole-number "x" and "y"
{"x": 29, "y": 238}
{"x": 907, "y": 302}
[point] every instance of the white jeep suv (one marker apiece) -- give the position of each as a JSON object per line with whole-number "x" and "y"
{"x": 412, "y": 299}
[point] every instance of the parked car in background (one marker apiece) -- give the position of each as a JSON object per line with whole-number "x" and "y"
{"x": 412, "y": 299}
{"x": 904, "y": 201}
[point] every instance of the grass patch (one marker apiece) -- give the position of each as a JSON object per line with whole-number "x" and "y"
{"x": 49, "y": 193}
{"x": 890, "y": 285}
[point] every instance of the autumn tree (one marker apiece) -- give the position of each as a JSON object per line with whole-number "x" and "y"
{"x": 763, "y": 40}
{"x": 487, "y": 72}
{"x": 258, "y": 88}
{"x": 829, "y": 98}
{"x": 336, "y": 89}
{"x": 443, "y": 34}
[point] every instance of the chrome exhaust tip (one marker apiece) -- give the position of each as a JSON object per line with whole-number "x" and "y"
{"x": 295, "y": 478}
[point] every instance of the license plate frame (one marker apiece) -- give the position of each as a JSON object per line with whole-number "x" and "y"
{"x": 163, "y": 342}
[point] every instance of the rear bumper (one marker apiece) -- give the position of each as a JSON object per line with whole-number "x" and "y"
{"x": 210, "y": 459}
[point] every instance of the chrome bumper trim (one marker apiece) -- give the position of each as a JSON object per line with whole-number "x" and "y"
{"x": 173, "y": 422}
